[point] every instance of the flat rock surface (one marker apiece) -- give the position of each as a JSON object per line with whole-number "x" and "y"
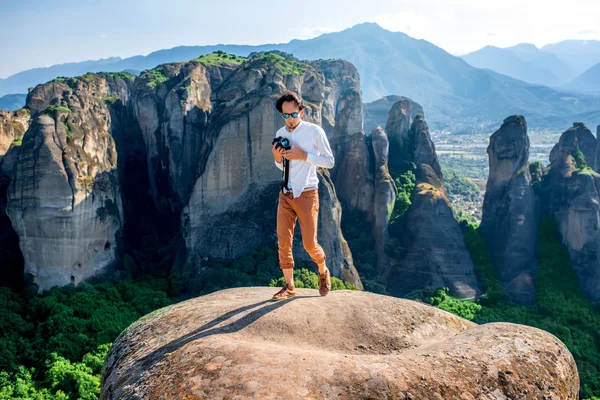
{"x": 238, "y": 344}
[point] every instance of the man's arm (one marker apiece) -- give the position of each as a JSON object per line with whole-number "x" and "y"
{"x": 324, "y": 157}
{"x": 279, "y": 164}
{"x": 278, "y": 159}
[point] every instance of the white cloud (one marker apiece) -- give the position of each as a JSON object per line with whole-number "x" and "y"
{"x": 462, "y": 26}
{"x": 309, "y": 33}
{"x": 103, "y": 35}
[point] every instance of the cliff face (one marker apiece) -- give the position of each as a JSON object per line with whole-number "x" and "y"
{"x": 572, "y": 196}
{"x": 510, "y": 216}
{"x": 433, "y": 249}
{"x": 172, "y": 117}
{"x": 12, "y": 128}
{"x": 597, "y": 156}
{"x": 232, "y": 197}
{"x": 64, "y": 199}
{"x": 423, "y": 149}
{"x": 353, "y": 173}
{"x": 235, "y": 343}
{"x": 385, "y": 196}
{"x": 377, "y": 112}
{"x": 196, "y": 137}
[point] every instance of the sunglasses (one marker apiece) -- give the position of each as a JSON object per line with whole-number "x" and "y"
{"x": 293, "y": 115}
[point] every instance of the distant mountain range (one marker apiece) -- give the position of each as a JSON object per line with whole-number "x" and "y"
{"x": 455, "y": 95}
{"x": 524, "y": 62}
{"x": 589, "y": 81}
{"x": 12, "y": 102}
{"x": 579, "y": 54}
{"x": 566, "y": 65}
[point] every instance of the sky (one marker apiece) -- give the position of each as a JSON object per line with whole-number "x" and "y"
{"x": 43, "y": 33}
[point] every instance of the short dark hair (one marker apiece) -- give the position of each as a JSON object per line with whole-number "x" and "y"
{"x": 288, "y": 95}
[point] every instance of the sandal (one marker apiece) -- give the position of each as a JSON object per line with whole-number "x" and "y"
{"x": 285, "y": 292}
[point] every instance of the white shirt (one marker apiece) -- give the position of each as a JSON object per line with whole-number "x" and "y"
{"x": 312, "y": 139}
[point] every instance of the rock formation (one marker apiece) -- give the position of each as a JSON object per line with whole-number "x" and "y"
{"x": 202, "y": 130}
{"x": 12, "y": 128}
{"x": 64, "y": 199}
{"x": 571, "y": 195}
{"x": 172, "y": 104}
{"x": 510, "y": 217}
{"x": 353, "y": 173}
{"x": 596, "y": 165}
{"x": 433, "y": 249}
{"x": 233, "y": 196}
{"x": 377, "y": 112}
{"x": 385, "y": 196}
{"x": 351, "y": 344}
{"x": 423, "y": 149}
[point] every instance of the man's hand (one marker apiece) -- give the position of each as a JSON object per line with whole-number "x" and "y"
{"x": 296, "y": 153}
{"x": 277, "y": 153}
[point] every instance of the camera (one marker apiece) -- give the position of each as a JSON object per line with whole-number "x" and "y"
{"x": 281, "y": 142}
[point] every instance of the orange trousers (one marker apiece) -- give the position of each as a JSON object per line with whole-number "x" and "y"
{"x": 305, "y": 209}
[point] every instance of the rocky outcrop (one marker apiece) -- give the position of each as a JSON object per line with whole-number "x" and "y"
{"x": 353, "y": 173}
{"x": 172, "y": 104}
{"x": 377, "y": 112}
{"x": 205, "y": 127}
{"x": 423, "y": 149}
{"x": 596, "y": 166}
{"x": 341, "y": 83}
{"x": 577, "y": 137}
{"x": 409, "y": 138}
{"x": 435, "y": 251}
{"x": 12, "y": 128}
{"x": 350, "y": 344}
{"x": 572, "y": 196}
{"x": 432, "y": 251}
{"x": 64, "y": 199}
{"x": 398, "y": 126}
{"x": 385, "y": 196}
{"x": 510, "y": 216}
{"x": 231, "y": 198}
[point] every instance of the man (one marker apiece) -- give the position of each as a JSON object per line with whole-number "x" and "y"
{"x": 309, "y": 150}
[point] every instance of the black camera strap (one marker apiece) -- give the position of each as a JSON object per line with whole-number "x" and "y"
{"x": 285, "y": 174}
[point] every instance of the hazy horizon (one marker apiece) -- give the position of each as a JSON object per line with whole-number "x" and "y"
{"x": 44, "y": 34}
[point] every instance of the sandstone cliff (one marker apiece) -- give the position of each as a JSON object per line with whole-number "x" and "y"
{"x": 432, "y": 248}
{"x": 353, "y": 173}
{"x": 64, "y": 199}
{"x": 350, "y": 344}
{"x": 376, "y": 112}
{"x": 196, "y": 139}
{"x": 236, "y": 184}
{"x": 571, "y": 194}
{"x": 510, "y": 217}
{"x": 385, "y": 196}
{"x": 596, "y": 165}
{"x": 12, "y": 128}
{"x": 435, "y": 251}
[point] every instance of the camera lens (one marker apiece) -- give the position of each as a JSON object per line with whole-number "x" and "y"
{"x": 285, "y": 142}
